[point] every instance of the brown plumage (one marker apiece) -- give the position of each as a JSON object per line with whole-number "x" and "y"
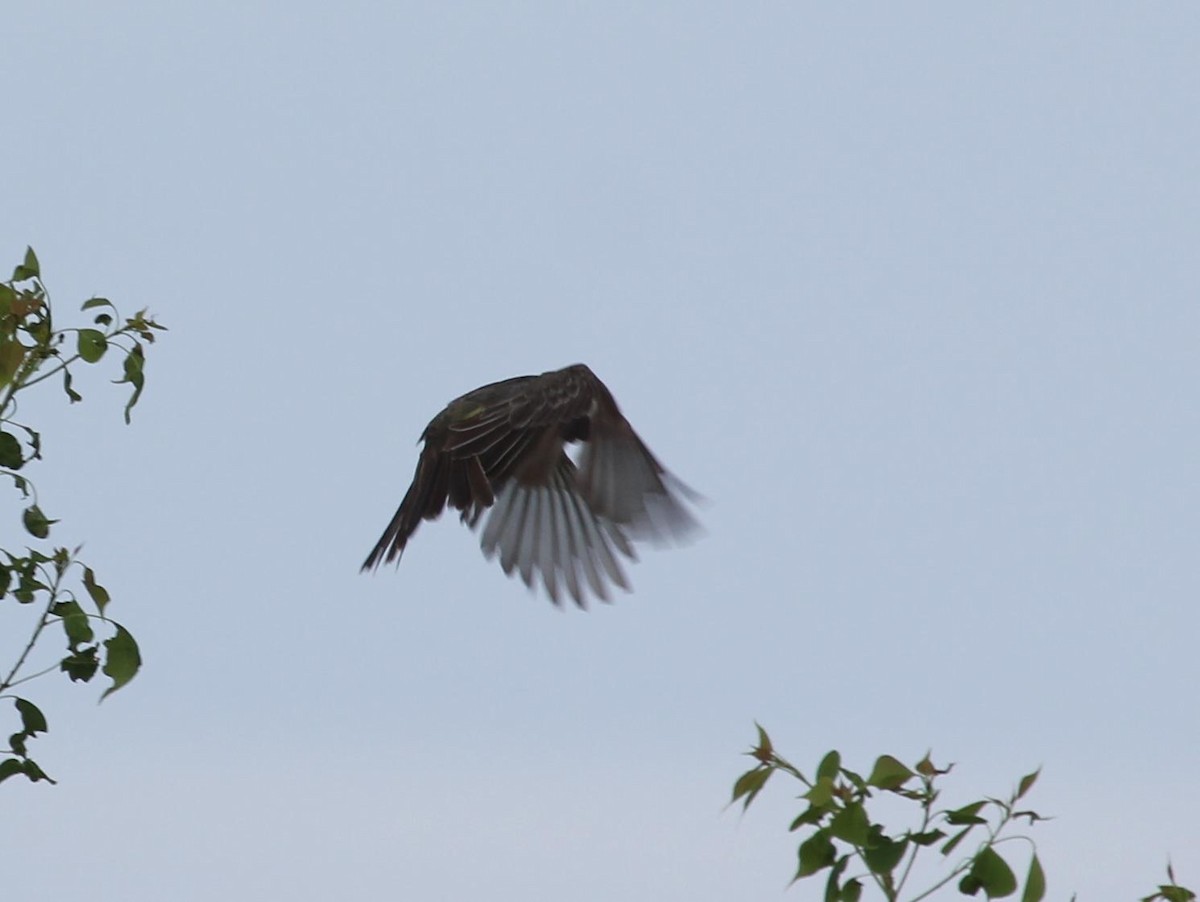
{"x": 502, "y": 449}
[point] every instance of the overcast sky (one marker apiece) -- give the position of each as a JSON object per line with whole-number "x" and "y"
{"x": 908, "y": 292}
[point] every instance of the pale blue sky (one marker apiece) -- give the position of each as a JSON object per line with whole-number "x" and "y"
{"x": 908, "y": 292}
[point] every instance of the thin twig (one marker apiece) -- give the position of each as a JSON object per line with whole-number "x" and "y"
{"x": 43, "y": 622}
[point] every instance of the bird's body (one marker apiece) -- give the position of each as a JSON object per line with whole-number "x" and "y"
{"x": 502, "y": 448}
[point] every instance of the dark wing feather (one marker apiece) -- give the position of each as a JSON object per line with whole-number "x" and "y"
{"x": 424, "y": 500}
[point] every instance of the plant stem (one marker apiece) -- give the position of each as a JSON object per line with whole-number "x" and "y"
{"x": 43, "y": 622}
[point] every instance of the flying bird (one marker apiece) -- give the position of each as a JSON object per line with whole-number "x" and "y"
{"x": 501, "y": 449}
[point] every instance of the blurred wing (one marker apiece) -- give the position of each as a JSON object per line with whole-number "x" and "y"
{"x": 551, "y": 531}
{"x": 625, "y": 484}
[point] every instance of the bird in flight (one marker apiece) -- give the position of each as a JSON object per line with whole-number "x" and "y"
{"x": 501, "y": 449}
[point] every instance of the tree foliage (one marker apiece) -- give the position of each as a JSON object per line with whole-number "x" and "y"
{"x": 59, "y": 590}
{"x": 843, "y": 839}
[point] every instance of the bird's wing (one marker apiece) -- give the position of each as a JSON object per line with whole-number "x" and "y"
{"x": 550, "y": 530}
{"x": 515, "y": 427}
{"x": 425, "y": 498}
{"x": 623, "y": 482}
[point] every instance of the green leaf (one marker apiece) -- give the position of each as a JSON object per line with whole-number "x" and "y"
{"x": 967, "y": 814}
{"x": 75, "y": 623}
{"x": 829, "y": 766}
{"x": 816, "y": 852}
{"x": 889, "y": 773}
{"x": 28, "y": 585}
{"x": 991, "y": 873}
{"x": 1168, "y": 892}
{"x": 750, "y": 784}
{"x": 851, "y": 891}
{"x": 97, "y": 302}
{"x": 851, "y": 825}
{"x": 811, "y": 815}
{"x": 35, "y": 443}
{"x": 1171, "y": 892}
{"x": 98, "y": 593}
{"x": 1176, "y": 894}
{"x": 1026, "y": 783}
{"x": 16, "y": 744}
{"x": 10, "y": 767}
{"x": 1032, "y": 816}
{"x": 71, "y": 393}
{"x": 91, "y": 344}
{"x": 832, "y": 890}
{"x": 30, "y": 269}
{"x": 36, "y": 523}
{"x": 81, "y": 666}
{"x": 958, "y": 837}
{"x": 857, "y": 781}
{"x": 764, "y": 750}
{"x": 32, "y": 720}
{"x": 33, "y": 772}
{"x": 883, "y": 854}
{"x": 926, "y": 839}
{"x": 135, "y": 360}
{"x": 1035, "y": 882}
{"x": 12, "y": 352}
{"x": 10, "y": 451}
{"x": 821, "y": 794}
{"x": 121, "y": 659}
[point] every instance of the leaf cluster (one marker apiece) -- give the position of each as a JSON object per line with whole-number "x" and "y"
{"x": 1171, "y": 891}
{"x": 32, "y": 350}
{"x": 842, "y": 836}
{"x": 56, "y": 583}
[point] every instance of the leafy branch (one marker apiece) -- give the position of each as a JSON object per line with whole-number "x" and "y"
{"x": 32, "y": 350}
{"x": 841, "y": 837}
